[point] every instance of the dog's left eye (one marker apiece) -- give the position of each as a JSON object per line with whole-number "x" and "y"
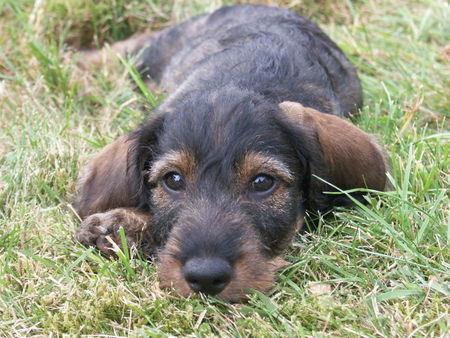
{"x": 174, "y": 181}
{"x": 262, "y": 183}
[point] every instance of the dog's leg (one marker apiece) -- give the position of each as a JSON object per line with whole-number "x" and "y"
{"x": 110, "y": 192}
{"x": 101, "y": 229}
{"x": 99, "y": 57}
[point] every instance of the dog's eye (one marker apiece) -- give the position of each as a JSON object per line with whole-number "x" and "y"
{"x": 262, "y": 183}
{"x": 174, "y": 181}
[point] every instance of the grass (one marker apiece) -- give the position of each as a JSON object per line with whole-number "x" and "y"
{"x": 376, "y": 270}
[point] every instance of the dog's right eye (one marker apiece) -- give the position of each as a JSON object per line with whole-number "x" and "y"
{"x": 174, "y": 181}
{"x": 262, "y": 183}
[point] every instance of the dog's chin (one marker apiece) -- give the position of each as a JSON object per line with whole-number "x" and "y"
{"x": 252, "y": 271}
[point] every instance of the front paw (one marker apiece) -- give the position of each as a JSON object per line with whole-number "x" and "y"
{"x": 102, "y": 230}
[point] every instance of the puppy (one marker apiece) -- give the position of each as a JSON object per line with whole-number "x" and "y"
{"x": 216, "y": 183}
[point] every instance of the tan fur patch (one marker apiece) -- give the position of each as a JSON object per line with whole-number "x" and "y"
{"x": 96, "y": 228}
{"x": 252, "y": 271}
{"x": 299, "y": 222}
{"x": 254, "y": 163}
{"x": 170, "y": 270}
{"x": 161, "y": 198}
{"x": 278, "y": 199}
{"x": 183, "y": 162}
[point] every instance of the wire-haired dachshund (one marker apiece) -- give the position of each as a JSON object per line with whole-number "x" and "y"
{"x": 216, "y": 183}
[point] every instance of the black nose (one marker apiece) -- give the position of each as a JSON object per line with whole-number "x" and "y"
{"x": 207, "y": 275}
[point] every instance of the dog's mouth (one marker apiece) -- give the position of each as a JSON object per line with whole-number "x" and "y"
{"x": 252, "y": 270}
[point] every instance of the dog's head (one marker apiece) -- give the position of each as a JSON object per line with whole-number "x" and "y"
{"x": 227, "y": 178}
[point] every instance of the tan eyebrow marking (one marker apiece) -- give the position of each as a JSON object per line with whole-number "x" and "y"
{"x": 254, "y": 163}
{"x": 181, "y": 161}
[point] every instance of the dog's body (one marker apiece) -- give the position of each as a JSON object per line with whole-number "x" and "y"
{"x": 218, "y": 180}
{"x": 266, "y": 51}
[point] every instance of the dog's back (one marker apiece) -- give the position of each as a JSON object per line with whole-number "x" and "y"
{"x": 271, "y": 51}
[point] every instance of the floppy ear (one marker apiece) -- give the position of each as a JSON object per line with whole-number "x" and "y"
{"x": 106, "y": 181}
{"x": 114, "y": 178}
{"x": 339, "y": 153}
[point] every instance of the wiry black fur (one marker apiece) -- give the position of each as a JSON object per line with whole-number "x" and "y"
{"x": 268, "y": 51}
{"x": 220, "y": 131}
{"x": 226, "y": 74}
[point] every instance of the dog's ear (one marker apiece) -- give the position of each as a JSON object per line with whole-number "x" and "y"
{"x": 336, "y": 151}
{"x": 114, "y": 178}
{"x": 106, "y": 181}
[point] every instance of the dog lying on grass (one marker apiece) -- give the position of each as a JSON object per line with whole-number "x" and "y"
{"x": 216, "y": 183}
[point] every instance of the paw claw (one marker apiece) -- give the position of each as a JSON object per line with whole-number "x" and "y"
{"x": 94, "y": 230}
{"x": 102, "y": 230}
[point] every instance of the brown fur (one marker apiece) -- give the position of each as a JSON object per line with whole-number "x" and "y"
{"x": 170, "y": 269}
{"x": 104, "y": 56}
{"x": 218, "y": 232}
{"x": 102, "y": 228}
{"x": 104, "y": 181}
{"x": 348, "y": 157}
{"x": 183, "y": 162}
{"x": 255, "y": 163}
{"x": 351, "y": 159}
{"x": 253, "y": 270}
{"x": 160, "y": 197}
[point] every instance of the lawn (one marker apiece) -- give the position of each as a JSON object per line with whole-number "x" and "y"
{"x": 376, "y": 270}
